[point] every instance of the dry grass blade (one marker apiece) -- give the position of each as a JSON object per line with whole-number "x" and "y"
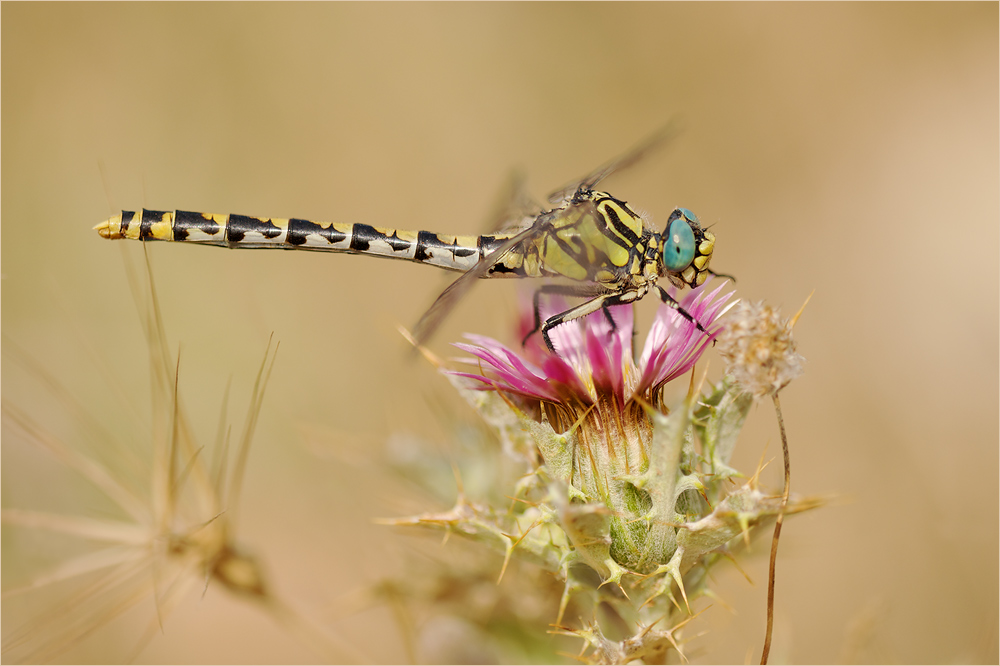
{"x": 777, "y": 533}
{"x": 175, "y": 537}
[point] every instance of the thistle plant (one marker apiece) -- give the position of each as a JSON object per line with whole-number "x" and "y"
{"x": 626, "y": 496}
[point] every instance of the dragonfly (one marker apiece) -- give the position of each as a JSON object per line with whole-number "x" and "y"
{"x": 590, "y": 243}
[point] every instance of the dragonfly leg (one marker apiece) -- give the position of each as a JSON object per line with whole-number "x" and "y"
{"x": 669, "y": 300}
{"x": 722, "y": 275}
{"x": 601, "y": 302}
{"x": 561, "y": 290}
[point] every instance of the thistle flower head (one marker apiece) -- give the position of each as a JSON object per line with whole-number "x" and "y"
{"x": 594, "y": 361}
{"x": 758, "y": 348}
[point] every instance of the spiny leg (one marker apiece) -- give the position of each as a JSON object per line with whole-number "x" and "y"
{"x": 578, "y": 290}
{"x": 722, "y": 275}
{"x": 669, "y": 300}
{"x": 601, "y": 302}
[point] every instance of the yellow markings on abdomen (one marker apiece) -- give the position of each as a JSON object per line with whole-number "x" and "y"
{"x": 241, "y": 231}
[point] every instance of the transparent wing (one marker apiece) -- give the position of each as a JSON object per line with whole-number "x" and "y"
{"x": 513, "y": 208}
{"x": 431, "y": 320}
{"x": 514, "y": 205}
{"x": 656, "y": 140}
{"x": 543, "y": 223}
{"x": 517, "y": 209}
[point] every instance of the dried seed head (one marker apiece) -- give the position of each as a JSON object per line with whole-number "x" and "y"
{"x": 758, "y": 349}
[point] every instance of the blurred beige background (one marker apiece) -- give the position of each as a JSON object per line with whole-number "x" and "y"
{"x": 846, "y": 148}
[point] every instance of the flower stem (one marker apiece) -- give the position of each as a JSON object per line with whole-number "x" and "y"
{"x": 777, "y": 532}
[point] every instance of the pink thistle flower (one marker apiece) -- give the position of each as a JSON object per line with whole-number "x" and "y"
{"x": 594, "y": 361}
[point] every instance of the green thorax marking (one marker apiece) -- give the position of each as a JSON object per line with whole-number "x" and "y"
{"x": 594, "y": 237}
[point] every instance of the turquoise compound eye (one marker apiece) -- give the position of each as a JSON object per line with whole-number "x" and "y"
{"x": 678, "y": 246}
{"x": 688, "y": 214}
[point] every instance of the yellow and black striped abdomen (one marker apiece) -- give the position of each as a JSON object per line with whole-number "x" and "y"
{"x": 459, "y": 253}
{"x": 595, "y": 238}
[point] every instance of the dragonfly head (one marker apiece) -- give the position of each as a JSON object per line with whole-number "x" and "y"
{"x": 686, "y": 249}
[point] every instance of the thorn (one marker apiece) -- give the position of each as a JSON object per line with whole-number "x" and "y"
{"x": 670, "y": 632}
{"x": 563, "y": 602}
{"x": 680, "y": 584}
{"x": 514, "y": 501}
{"x": 692, "y": 391}
{"x": 506, "y": 558}
{"x": 673, "y": 600}
{"x": 510, "y": 549}
{"x": 677, "y": 648}
{"x": 457, "y": 473}
{"x": 791, "y": 322}
{"x": 731, "y": 558}
{"x": 745, "y": 528}
{"x": 522, "y": 500}
{"x": 575, "y": 657}
{"x": 711, "y": 594}
{"x": 761, "y": 465}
